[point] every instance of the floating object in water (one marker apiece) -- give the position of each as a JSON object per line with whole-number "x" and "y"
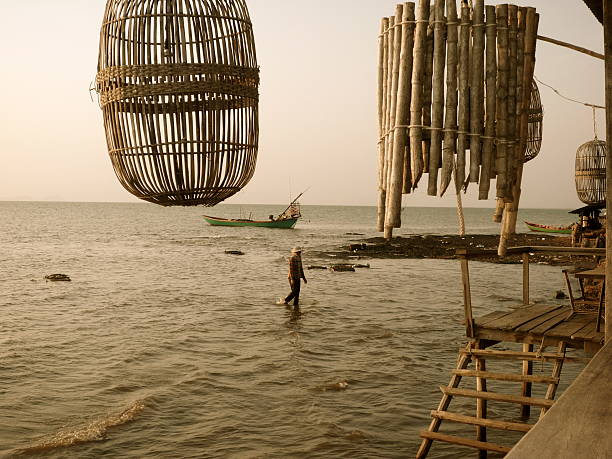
{"x": 316, "y": 267}
{"x": 58, "y": 278}
{"x": 356, "y": 247}
{"x": 234, "y": 252}
{"x": 342, "y": 268}
{"x": 362, "y": 266}
{"x": 178, "y": 87}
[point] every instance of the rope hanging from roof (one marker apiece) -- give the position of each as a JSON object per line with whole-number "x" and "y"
{"x": 178, "y": 87}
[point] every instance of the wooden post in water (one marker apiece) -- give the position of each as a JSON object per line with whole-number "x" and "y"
{"x": 476, "y": 89}
{"x": 486, "y": 170}
{"x": 416, "y": 101}
{"x": 382, "y": 111}
{"x": 450, "y": 120}
{"x": 464, "y": 94}
{"x": 405, "y": 33}
{"x": 437, "y": 111}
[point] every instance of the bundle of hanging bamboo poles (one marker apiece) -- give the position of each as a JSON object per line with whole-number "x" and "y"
{"x": 487, "y": 57}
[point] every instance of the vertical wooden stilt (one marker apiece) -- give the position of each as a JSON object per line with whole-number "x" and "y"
{"x": 481, "y": 405}
{"x": 526, "y": 392}
{"x": 526, "y": 278}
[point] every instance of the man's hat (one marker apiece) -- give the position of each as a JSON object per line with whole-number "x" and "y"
{"x": 296, "y": 250}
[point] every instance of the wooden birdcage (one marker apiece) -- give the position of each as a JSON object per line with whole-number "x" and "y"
{"x": 536, "y": 119}
{"x": 591, "y": 172}
{"x": 178, "y": 86}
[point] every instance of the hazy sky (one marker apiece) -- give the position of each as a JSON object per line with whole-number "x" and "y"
{"x": 318, "y": 103}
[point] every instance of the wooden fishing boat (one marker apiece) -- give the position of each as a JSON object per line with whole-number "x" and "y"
{"x": 549, "y": 229}
{"x": 285, "y": 220}
{"x": 286, "y": 223}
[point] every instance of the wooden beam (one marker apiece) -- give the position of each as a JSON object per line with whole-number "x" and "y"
{"x": 464, "y": 442}
{"x": 580, "y": 49}
{"x": 507, "y": 376}
{"x": 491, "y": 423}
{"x": 494, "y": 396}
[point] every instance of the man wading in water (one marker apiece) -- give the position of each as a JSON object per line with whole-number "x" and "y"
{"x": 296, "y": 273}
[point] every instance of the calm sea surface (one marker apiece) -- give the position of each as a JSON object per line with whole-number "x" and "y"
{"x": 164, "y": 346}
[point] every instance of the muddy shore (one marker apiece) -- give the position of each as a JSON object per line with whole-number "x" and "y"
{"x": 443, "y": 247}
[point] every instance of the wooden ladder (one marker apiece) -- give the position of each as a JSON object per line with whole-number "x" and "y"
{"x": 475, "y": 351}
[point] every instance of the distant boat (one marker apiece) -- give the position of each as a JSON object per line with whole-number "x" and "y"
{"x": 286, "y": 220}
{"x": 549, "y": 229}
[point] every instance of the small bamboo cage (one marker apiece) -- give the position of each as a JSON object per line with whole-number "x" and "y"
{"x": 591, "y": 172}
{"x": 178, "y": 87}
{"x": 535, "y": 126}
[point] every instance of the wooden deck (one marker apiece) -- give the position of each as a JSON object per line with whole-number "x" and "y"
{"x": 541, "y": 324}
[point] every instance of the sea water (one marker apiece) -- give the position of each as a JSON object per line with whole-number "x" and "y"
{"x": 163, "y": 345}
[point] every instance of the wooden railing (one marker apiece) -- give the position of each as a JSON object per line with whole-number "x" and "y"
{"x": 464, "y": 255}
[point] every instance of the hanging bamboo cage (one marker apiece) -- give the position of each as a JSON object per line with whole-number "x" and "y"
{"x": 536, "y": 121}
{"x": 178, "y": 87}
{"x": 591, "y": 172}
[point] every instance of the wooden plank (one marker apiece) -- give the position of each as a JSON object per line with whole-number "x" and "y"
{"x": 492, "y": 423}
{"x": 551, "y": 323}
{"x": 521, "y": 316}
{"x": 571, "y": 326}
{"x": 586, "y": 333}
{"x": 484, "y": 353}
{"x": 464, "y": 442}
{"x": 555, "y": 314}
{"x": 506, "y": 376}
{"x": 490, "y": 316}
{"x": 494, "y": 396}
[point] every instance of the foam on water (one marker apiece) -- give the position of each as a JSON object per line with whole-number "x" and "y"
{"x": 93, "y": 430}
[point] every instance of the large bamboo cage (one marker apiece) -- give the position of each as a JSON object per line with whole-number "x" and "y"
{"x": 178, "y": 86}
{"x": 536, "y": 120}
{"x": 591, "y": 172}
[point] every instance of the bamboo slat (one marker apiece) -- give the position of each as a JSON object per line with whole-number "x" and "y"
{"x": 405, "y": 32}
{"x": 427, "y": 89}
{"x": 464, "y": 94}
{"x": 511, "y": 151}
{"x": 416, "y": 101}
{"x": 382, "y": 126}
{"x": 437, "y": 110}
{"x": 486, "y": 171}
{"x": 476, "y": 89}
{"x": 503, "y": 70}
{"x": 452, "y": 99}
{"x": 395, "y": 69}
{"x": 178, "y": 85}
